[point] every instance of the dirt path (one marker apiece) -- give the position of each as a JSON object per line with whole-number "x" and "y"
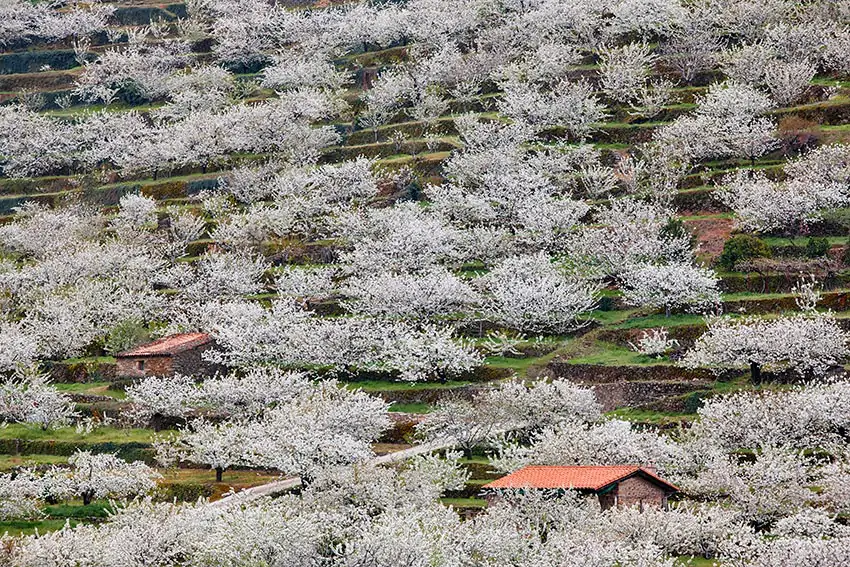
{"x": 277, "y": 486}
{"x": 712, "y": 234}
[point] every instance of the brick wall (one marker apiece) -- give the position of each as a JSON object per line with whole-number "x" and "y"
{"x": 637, "y": 490}
{"x": 189, "y": 362}
{"x": 153, "y": 366}
{"x": 606, "y": 500}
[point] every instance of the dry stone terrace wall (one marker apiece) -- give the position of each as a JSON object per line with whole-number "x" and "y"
{"x": 669, "y": 395}
{"x": 593, "y": 374}
{"x": 82, "y": 371}
{"x": 633, "y": 386}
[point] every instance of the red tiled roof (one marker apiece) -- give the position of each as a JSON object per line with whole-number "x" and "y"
{"x": 577, "y": 477}
{"x": 169, "y": 345}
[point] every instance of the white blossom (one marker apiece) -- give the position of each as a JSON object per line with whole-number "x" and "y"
{"x": 530, "y": 293}
{"x": 654, "y": 342}
{"x": 806, "y": 343}
{"x": 671, "y": 286}
{"x": 96, "y": 476}
{"x": 28, "y": 397}
{"x": 436, "y": 292}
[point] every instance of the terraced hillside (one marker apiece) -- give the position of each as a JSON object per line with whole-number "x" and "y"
{"x": 421, "y": 206}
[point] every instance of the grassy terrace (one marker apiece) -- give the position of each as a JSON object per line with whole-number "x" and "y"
{"x": 93, "y": 389}
{"x": 388, "y": 386}
{"x": 70, "y": 434}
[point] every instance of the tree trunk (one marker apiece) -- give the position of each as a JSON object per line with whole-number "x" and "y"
{"x": 87, "y": 496}
{"x": 218, "y": 472}
{"x": 306, "y": 479}
{"x": 755, "y": 372}
{"x": 442, "y": 376}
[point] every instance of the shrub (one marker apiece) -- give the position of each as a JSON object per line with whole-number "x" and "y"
{"x": 835, "y": 220}
{"x": 743, "y": 247}
{"x": 675, "y": 229}
{"x": 817, "y": 247}
{"x": 125, "y": 335}
{"x": 607, "y": 303}
{"x": 694, "y": 401}
{"x": 184, "y": 492}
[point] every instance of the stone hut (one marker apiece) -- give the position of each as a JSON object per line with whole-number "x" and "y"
{"x": 175, "y": 354}
{"x": 617, "y": 485}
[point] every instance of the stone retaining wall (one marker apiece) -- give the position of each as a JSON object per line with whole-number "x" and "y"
{"x": 636, "y": 394}
{"x": 598, "y": 374}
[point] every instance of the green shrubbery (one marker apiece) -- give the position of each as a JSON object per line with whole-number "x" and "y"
{"x": 675, "y": 228}
{"x": 743, "y": 247}
{"x": 817, "y": 247}
{"x": 693, "y": 402}
{"x": 125, "y": 336}
{"x": 185, "y": 492}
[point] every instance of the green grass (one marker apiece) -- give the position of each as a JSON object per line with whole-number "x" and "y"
{"x": 749, "y": 295}
{"x": 8, "y": 462}
{"x": 835, "y": 127}
{"x": 92, "y": 389}
{"x": 475, "y": 459}
{"x": 829, "y": 81}
{"x": 687, "y": 561}
{"x": 464, "y": 502}
{"x": 410, "y": 408}
{"x": 388, "y": 386}
{"x": 240, "y": 478}
{"x": 800, "y": 241}
{"x": 161, "y": 179}
{"x": 649, "y": 416}
{"x": 400, "y": 159}
{"x": 97, "y": 509}
{"x": 611, "y": 293}
{"x": 609, "y": 145}
{"x": 521, "y": 365}
{"x": 610, "y": 317}
{"x": 518, "y": 364}
{"x": 609, "y": 354}
{"x": 90, "y": 359}
{"x": 29, "y": 527}
{"x": 98, "y": 435}
{"x": 659, "y": 320}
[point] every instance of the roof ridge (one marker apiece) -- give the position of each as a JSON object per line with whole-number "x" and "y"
{"x": 171, "y": 344}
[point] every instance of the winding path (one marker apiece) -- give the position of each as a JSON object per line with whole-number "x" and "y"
{"x": 277, "y": 486}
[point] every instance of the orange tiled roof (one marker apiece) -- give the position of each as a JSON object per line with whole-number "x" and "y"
{"x": 576, "y": 477}
{"x": 169, "y": 345}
